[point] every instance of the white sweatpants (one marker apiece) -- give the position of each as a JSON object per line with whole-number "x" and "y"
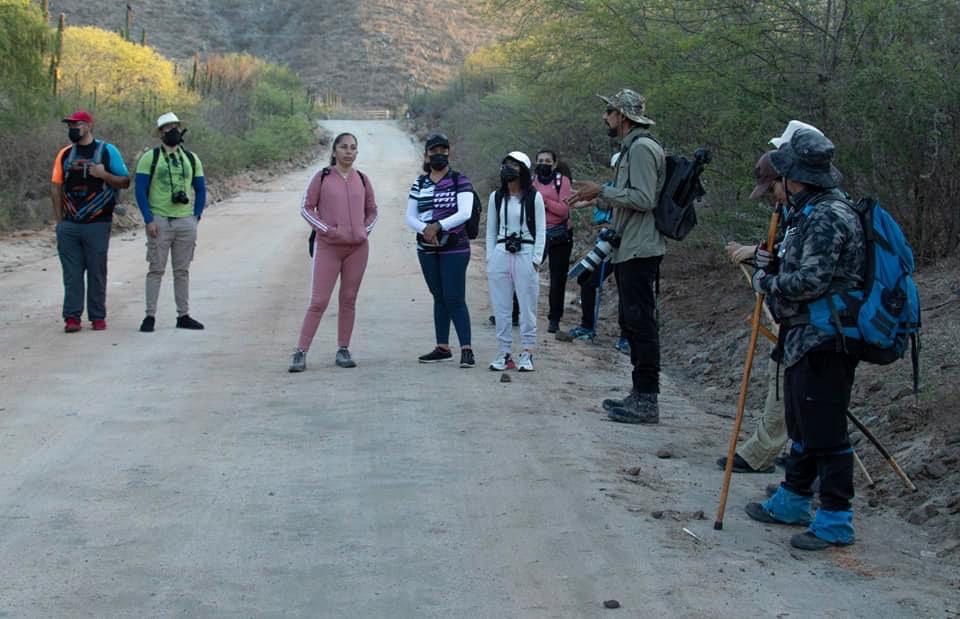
{"x": 508, "y": 273}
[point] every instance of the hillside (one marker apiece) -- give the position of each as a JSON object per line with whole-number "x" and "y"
{"x": 368, "y": 52}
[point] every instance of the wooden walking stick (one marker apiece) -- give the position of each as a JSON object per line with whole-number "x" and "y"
{"x": 744, "y": 384}
{"x": 883, "y": 451}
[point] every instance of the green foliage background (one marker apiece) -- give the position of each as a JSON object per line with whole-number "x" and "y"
{"x": 879, "y": 77}
{"x": 241, "y": 111}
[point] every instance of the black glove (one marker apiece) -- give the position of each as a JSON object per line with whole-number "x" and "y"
{"x": 766, "y": 261}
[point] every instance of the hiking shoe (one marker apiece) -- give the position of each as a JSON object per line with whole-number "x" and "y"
{"x": 503, "y": 362}
{"x": 757, "y": 512}
{"x": 741, "y": 466}
{"x": 147, "y": 325}
{"x": 344, "y": 359}
{"x": 435, "y": 355}
{"x": 623, "y": 345}
{"x": 185, "y": 322}
{"x": 808, "y": 541}
{"x": 466, "y": 358}
{"x": 298, "y": 362}
{"x": 72, "y": 325}
{"x": 645, "y": 410}
{"x": 553, "y": 327}
{"x": 525, "y": 361}
{"x": 628, "y": 402}
{"x": 98, "y": 325}
{"x": 582, "y": 333}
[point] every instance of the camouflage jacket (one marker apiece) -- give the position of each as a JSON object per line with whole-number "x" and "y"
{"x": 821, "y": 253}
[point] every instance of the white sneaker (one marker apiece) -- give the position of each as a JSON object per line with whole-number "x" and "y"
{"x": 525, "y": 361}
{"x": 503, "y": 362}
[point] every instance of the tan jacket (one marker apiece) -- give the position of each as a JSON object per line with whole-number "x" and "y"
{"x": 645, "y": 167}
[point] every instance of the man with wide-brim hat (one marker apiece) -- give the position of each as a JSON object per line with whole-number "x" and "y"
{"x": 639, "y": 177}
{"x": 822, "y": 253}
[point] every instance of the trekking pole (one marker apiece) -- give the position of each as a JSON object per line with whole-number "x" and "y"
{"x": 744, "y": 385}
{"x": 883, "y": 451}
{"x": 863, "y": 469}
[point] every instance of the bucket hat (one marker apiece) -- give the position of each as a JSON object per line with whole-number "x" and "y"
{"x": 806, "y": 159}
{"x": 631, "y": 104}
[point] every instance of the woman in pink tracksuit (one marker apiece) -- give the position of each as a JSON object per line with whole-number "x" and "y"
{"x": 340, "y": 206}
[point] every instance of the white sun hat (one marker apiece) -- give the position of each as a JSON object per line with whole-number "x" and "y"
{"x": 166, "y": 119}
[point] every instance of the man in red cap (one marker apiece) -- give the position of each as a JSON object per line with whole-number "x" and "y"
{"x": 86, "y": 177}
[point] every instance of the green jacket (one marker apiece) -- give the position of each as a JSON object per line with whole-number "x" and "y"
{"x": 644, "y": 164}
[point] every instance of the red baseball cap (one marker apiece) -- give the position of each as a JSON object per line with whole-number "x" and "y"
{"x": 79, "y": 116}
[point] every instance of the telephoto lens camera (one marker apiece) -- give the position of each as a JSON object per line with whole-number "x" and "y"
{"x": 180, "y": 197}
{"x": 607, "y": 239}
{"x": 512, "y": 243}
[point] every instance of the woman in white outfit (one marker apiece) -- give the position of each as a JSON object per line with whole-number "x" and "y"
{"x": 516, "y": 233}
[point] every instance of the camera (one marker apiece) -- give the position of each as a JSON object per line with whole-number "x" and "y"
{"x": 512, "y": 243}
{"x": 180, "y": 197}
{"x": 607, "y": 239}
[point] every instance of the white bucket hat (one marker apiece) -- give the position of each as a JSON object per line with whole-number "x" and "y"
{"x": 166, "y": 119}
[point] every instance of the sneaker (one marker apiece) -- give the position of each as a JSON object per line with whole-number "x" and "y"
{"x": 147, "y": 325}
{"x": 623, "y": 345}
{"x": 582, "y": 333}
{"x": 525, "y": 361}
{"x": 503, "y": 362}
{"x": 809, "y": 541}
{"x": 646, "y": 410}
{"x": 742, "y": 466}
{"x": 553, "y": 327}
{"x": 72, "y": 325}
{"x": 757, "y": 512}
{"x": 185, "y": 322}
{"x": 98, "y": 325}
{"x": 298, "y": 362}
{"x": 344, "y": 359}
{"x": 435, "y": 355}
{"x": 466, "y": 358}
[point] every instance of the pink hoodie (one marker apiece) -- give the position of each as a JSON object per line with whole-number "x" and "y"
{"x": 557, "y": 210}
{"x": 343, "y": 211}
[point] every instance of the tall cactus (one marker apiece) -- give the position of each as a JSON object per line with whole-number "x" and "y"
{"x": 129, "y": 22}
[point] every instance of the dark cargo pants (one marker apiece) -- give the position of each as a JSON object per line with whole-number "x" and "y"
{"x": 83, "y": 250}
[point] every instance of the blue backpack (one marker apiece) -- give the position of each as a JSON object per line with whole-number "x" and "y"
{"x": 885, "y": 313}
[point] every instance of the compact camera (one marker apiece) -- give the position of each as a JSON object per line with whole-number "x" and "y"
{"x": 512, "y": 243}
{"x": 180, "y": 197}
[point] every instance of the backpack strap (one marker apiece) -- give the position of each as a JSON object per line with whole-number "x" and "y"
{"x": 153, "y": 167}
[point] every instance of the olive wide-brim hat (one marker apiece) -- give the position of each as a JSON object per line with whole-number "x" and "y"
{"x": 807, "y": 159}
{"x": 631, "y": 104}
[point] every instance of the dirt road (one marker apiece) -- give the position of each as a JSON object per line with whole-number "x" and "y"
{"x": 188, "y": 474}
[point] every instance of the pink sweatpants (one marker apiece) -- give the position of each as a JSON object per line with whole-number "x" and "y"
{"x": 330, "y": 261}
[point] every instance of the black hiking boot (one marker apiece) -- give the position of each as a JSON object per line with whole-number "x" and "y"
{"x": 645, "y": 410}
{"x": 147, "y": 325}
{"x": 628, "y": 402}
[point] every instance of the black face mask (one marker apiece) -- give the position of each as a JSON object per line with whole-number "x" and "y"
{"x": 74, "y": 134}
{"x": 439, "y": 161}
{"x": 612, "y": 131}
{"x": 508, "y": 174}
{"x": 172, "y": 137}
{"x": 544, "y": 172}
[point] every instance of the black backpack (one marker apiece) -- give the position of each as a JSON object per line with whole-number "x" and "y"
{"x": 324, "y": 173}
{"x": 528, "y": 211}
{"x": 675, "y": 215}
{"x": 472, "y": 225}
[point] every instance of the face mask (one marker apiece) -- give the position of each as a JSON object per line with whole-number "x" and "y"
{"x": 544, "y": 172}
{"x": 172, "y": 137}
{"x": 508, "y": 174}
{"x": 74, "y": 134}
{"x": 439, "y": 161}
